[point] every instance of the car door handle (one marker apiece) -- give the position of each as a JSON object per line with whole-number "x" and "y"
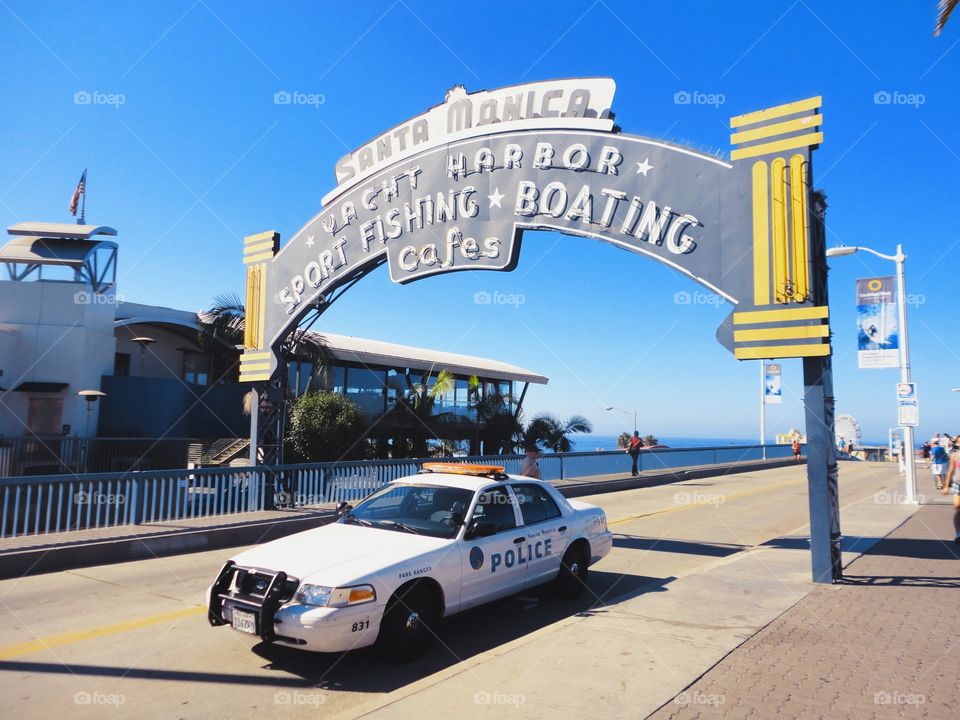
{"x": 518, "y": 540}
{"x": 562, "y": 528}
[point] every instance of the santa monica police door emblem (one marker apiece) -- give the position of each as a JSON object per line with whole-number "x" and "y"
{"x": 476, "y": 558}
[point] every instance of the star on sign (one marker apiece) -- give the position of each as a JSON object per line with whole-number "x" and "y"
{"x": 310, "y": 240}
{"x": 644, "y": 167}
{"x": 495, "y": 198}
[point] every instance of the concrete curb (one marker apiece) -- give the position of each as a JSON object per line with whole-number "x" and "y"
{"x": 35, "y": 561}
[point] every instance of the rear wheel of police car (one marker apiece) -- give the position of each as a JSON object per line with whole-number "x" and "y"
{"x": 572, "y": 577}
{"x": 409, "y": 622}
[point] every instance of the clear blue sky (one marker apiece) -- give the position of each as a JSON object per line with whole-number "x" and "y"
{"x": 198, "y": 155}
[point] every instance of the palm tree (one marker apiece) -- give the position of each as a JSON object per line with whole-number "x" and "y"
{"x": 650, "y": 440}
{"x": 498, "y": 426}
{"x": 945, "y": 7}
{"x": 225, "y": 322}
{"x": 551, "y": 433}
{"x": 416, "y": 409}
{"x": 623, "y": 440}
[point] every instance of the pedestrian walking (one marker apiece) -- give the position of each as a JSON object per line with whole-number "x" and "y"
{"x": 796, "y": 450}
{"x": 925, "y": 451}
{"x": 953, "y": 486}
{"x": 939, "y": 458}
{"x": 530, "y": 467}
{"x": 633, "y": 449}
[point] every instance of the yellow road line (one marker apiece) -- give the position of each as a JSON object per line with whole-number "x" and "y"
{"x": 691, "y": 506}
{"x": 11, "y": 651}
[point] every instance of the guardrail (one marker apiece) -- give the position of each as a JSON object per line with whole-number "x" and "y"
{"x": 57, "y": 503}
{"x": 46, "y": 455}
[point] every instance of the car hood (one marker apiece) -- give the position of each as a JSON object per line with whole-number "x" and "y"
{"x": 337, "y": 554}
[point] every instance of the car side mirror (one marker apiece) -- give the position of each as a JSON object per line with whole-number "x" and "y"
{"x": 479, "y": 529}
{"x": 343, "y": 507}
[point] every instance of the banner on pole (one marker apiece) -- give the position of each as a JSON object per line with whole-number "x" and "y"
{"x": 773, "y": 383}
{"x": 878, "y": 335}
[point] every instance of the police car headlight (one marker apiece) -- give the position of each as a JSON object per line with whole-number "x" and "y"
{"x": 314, "y": 594}
{"x": 323, "y": 596}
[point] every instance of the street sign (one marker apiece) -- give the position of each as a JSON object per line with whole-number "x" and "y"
{"x": 908, "y": 406}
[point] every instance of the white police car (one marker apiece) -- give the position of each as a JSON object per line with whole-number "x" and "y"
{"x": 419, "y": 549}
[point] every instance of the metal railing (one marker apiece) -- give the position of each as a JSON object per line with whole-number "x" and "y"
{"x": 47, "y": 455}
{"x": 57, "y": 503}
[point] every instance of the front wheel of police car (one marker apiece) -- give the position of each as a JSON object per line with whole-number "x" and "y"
{"x": 409, "y": 622}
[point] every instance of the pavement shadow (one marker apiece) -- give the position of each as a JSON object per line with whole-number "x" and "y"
{"x": 685, "y": 547}
{"x": 459, "y": 638}
{"x": 851, "y": 543}
{"x": 921, "y": 548}
{"x": 925, "y": 581}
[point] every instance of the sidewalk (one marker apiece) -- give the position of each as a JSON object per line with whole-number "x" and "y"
{"x": 631, "y": 655}
{"x": 882, "y": 644}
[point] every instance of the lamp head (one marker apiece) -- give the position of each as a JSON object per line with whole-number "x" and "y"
{"x": 91, "y": 396}
{"x": 842, "y": 250}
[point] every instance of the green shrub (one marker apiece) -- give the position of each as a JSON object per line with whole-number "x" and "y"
{"x": 327, "y": 426}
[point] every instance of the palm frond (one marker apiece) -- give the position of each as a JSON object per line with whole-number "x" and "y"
{"x": 945, "y": 7}
{"x": 578, "y": 424}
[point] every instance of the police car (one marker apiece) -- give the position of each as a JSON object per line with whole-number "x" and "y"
{"x": 419, "y": 549}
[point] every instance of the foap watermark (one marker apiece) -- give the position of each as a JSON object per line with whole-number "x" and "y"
{"x": 483, "y": 297}
{"x": 698, "y": 697}
{"x": 98, "y": 498}
{"x": 299, "y": 699}
{"x": 685, "y": 297}
{"x": 484, "y": 697}
{"x": 699, "y": 498}
{"x": 695, "y": 97}
{"x": 297, "y": 97}
{"x": 85, "y": 297}
{"x": 898, "y": 698}
{"x": 896, "y": 97}
{"x": 285, "y": 498}
{"x": 891, "y": 497}
{"x": 916, "y": 299}
{"x": 86, "y": 697}
{"x": 97, "y": 97}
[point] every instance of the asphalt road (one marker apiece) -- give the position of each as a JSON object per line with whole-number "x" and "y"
{"x": 132, "y": 640}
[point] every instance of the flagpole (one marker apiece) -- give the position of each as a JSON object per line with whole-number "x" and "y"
{"x": 83, "y": 205}
{"x": 763, "y": 409}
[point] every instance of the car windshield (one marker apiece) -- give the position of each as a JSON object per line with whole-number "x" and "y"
{"x": 421, "y": 509}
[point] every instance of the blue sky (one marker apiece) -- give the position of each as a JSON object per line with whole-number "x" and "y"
{"x": 187, "y": 153}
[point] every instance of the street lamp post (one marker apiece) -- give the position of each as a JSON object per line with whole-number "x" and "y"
{"x": 908, "y": 441}
{"x": 611, "y": 407}
{"x": 91, "y": 396}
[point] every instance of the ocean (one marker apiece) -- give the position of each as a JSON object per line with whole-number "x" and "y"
{"x": 586, "y": 443}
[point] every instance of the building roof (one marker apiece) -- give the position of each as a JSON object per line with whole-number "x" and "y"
{"x": 378, "y": 352}
{"x": 51, "y": 250}
{"x": 60, "y": 230}
{"x": 353, "y": 349}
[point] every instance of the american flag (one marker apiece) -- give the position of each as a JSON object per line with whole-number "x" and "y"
{"x": 81, "y": 189}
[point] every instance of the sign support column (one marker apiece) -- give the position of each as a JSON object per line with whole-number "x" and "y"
{"x": 818, "y": 400}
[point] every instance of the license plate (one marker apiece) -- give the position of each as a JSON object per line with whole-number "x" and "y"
{"x": 244, "y": 621}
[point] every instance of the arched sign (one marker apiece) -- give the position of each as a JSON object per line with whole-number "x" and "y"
{"x": 454, "y": 189}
